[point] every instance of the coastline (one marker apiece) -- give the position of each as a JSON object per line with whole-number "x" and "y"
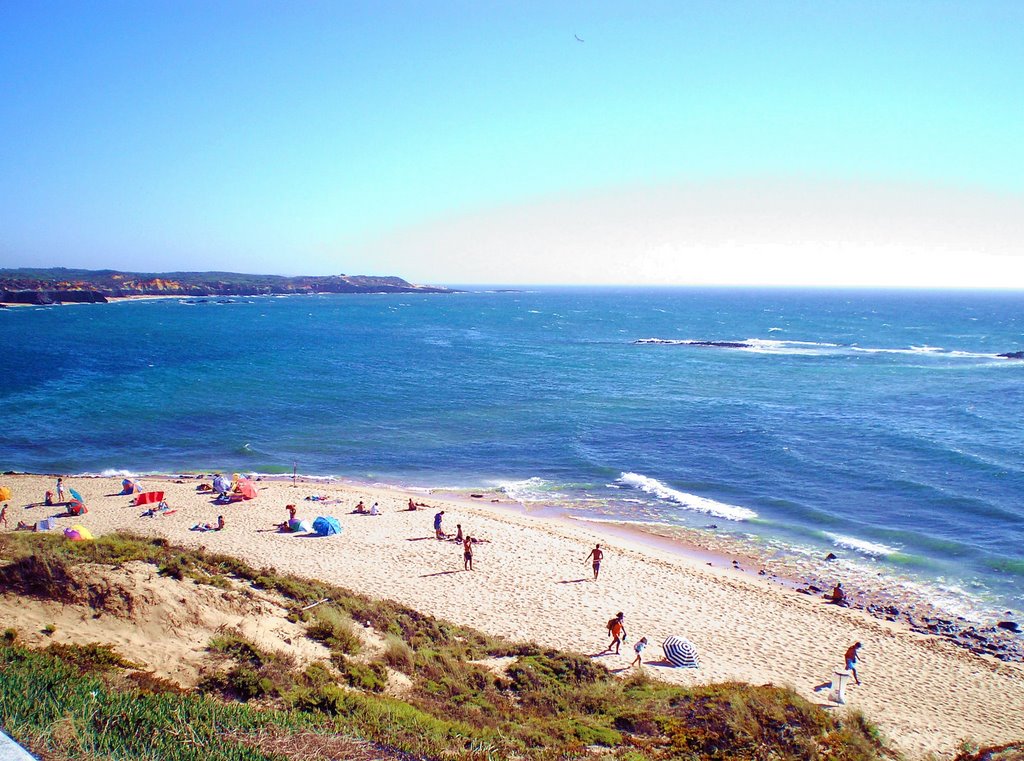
{"x": 531, "y": 582}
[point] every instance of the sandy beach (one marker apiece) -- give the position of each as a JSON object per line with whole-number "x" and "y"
{"x": 531, "y": 582}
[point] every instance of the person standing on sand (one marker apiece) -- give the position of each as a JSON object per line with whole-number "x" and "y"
{"x": 617, "y": 630}
{"x": 597, "y": 555}
{"x": 437, "y": 525}
{"x": 638, "y": 648}
{"x": 3, "y": 516}
{"x": 852, "y": 660}
{"x": 60, "y": 490}
{"x": 467, "y": 553}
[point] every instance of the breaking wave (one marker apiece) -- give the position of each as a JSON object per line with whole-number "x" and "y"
{"x": 692, "y": 502}
{"x": 817, "y": 348}
{"x": 864, "y": 547}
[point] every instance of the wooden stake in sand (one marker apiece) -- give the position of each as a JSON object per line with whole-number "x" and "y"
{"x": 314, "y": 604}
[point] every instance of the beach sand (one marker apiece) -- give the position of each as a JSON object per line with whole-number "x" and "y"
{"x": 530, "y": 582}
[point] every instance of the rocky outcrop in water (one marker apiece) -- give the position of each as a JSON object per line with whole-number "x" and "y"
{"x": 1012, "y": 355}
{"x": 717, "y": 344}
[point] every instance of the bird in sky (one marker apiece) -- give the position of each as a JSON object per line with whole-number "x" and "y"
{"x": 578, "y": 38}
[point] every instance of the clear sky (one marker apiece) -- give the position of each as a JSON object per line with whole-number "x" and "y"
{"x": 824, "y": 142}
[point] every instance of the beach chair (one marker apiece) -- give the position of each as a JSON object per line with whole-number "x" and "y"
{"x": 837, "y": 692}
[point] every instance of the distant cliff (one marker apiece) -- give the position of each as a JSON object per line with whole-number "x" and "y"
{"x": 48, "y": 286}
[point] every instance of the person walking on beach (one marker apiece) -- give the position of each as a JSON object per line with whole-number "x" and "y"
{"x": 597, "y": 555}
{"x": 617, "y": 630}
{"x": 437, "y": 525}
{"x": 60, "y": 490}
{"x": 852, "y": 660}
{"x": 467, "y": 553}
{"x": 638, "y": 648}
{"x": 3, "y": 516}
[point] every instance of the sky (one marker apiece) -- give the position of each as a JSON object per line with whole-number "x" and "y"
{"x": 755, "y": 143}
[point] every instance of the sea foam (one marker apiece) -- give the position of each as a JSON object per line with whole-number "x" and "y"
{"x": 873, "y": 549}
{"x": 690, "y": 501}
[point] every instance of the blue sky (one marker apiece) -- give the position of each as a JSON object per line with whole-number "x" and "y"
{"x": 353, "y": 137}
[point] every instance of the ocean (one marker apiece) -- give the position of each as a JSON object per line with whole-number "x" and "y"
{"x": 881, "y": 426}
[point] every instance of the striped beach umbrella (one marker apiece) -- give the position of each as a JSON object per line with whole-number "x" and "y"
{"x": 679, "y": 651}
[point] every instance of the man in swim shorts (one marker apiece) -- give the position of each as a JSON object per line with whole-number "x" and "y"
{"x": 467, "y": 553}
{"x": 597, "y": 555}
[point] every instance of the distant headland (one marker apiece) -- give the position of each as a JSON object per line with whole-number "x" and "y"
{"x": 59, "y": 284}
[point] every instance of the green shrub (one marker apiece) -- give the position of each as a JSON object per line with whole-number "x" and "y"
{"x": 398, "y": 655}
{"x": 335, "y": 629}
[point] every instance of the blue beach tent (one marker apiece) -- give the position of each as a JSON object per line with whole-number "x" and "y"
{"x": 325, "y": 526}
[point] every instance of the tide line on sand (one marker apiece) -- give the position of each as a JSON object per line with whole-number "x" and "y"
{"x": 523, "y": 586}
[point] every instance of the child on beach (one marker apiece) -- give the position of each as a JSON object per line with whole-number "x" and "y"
{"x": 60, "y": 489}
{"x": 638, "y": 648}
{"x": 3, "y": 516}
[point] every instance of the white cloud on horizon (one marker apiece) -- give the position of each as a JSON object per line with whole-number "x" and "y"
{"x": 724, "y": 233}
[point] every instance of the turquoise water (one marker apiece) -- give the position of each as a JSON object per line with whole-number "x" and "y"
{"x": 881, "y": 426}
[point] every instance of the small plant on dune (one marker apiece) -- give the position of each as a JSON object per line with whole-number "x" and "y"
{"x": 335, "y": 629}
{"x": 10, "y": 636}
{"x": 49, "y": 630}
{"x": 398, "y": 655}
{"x": 94, "y": 657}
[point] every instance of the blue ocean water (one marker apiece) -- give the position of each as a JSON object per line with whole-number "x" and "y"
{"x": 881, "y": 425}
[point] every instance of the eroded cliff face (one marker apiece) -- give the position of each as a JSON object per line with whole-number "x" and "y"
{"x": 43, "y": 297}
{"x": 47, "y": 286}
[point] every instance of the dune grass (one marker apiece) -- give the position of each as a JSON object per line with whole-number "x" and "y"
{"x": 546, "y": 704}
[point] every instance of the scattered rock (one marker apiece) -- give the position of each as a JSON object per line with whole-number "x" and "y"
{"x": 1012, "y": 626}
{"x": 831, "y": 556}
{"x": 1012, "y": 355}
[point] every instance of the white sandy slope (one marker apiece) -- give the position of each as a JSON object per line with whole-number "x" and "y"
{"x": 530, "y": 582}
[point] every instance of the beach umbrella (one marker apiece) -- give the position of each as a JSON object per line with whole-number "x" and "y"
{"x": 76, "y": 496}
{"x": 150, "y": 498}
{"x": 78, "y": 533}
{"x": 325, "y": 526}
{"x": 5, "y": 493}
{"x": 679, "y": 651}
{"x": 245, "y": 488}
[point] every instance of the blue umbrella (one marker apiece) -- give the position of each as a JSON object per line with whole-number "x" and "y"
{"x": 76, "y": 496}
{"x": 325, "y": 526}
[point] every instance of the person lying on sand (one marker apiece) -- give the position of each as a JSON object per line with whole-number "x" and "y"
{"x": 210, "y": 526}
{"x": 22, "y": 526}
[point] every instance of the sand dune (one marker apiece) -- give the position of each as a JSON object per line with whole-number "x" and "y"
{"x": 531, "y": 582}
